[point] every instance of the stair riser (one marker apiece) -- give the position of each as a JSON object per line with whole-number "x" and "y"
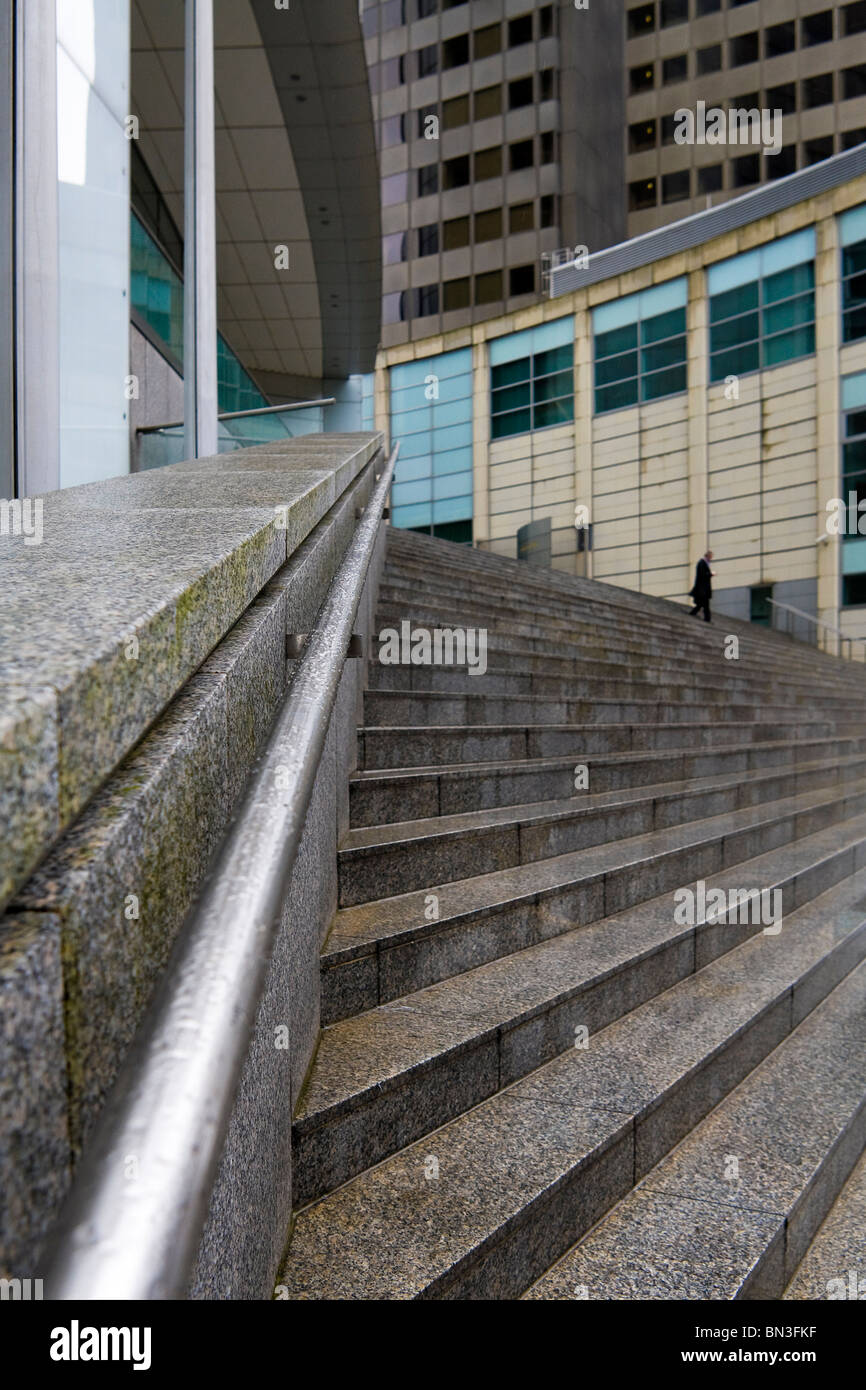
{"x": 414, "y": 798}
{"x": 408, "y": 865}
{"x": 398, "y": 969}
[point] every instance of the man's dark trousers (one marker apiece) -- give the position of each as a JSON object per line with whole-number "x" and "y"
{"x": 702, "y": 604}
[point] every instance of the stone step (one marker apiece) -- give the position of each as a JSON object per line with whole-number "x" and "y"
{"x": 380, "y": 951}
{"x": 386, "y": 860}
{"x": 795, "y": 1127}
{"x": 403, "y": 749}
{"x": 396, "y": 795}
{"x": 834, "y": 1266}
{"x": 385, "y": 1077}
{"x": 481, "y": 1207}
{"x": 390, "y": 708}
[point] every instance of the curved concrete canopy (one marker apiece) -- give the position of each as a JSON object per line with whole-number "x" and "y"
{"x": 296, "y": 166}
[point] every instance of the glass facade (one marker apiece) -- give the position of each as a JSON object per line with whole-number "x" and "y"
{"x": 762, "y": 306}
{"x": 853, "y": 480}
{"x": 156, "y": 294}
{"x": 532, "y": 379}
{"x": 640, "y": 346}
{"x": 431, "y": 415}
{"x": 852, "y": 235}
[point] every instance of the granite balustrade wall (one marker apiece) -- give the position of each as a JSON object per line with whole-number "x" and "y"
{"x": 142, "y": 663}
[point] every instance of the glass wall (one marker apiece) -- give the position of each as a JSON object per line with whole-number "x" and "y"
{"x": 532, "y": 379}
{"x": 431, "y": 416}
{"x": 852, "y": 235}
{"x": 853, "y": 481}
{"x": 640, "y": 346}
{"x": 762, "y": 306}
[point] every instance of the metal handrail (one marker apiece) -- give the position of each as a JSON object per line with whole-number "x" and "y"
{"x": 244, "y": 414}
{"x": 841, "y": 637}
{"x": 131, "y": 1230}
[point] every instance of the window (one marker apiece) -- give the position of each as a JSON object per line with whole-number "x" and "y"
{"x": 814, "y": 151}
{"x": 854, "y": 18}
{"x": 709, "y": 59}
{"x": 393, "y": 14}
{"x": 488, "y": 288}
{"x": 455, "y": 233}
{"x": 669, "y": 125}
{"x": 424, "y": 114}
{"x": 521, "y": 280}
{"x": 778, "y": 166}
{"x": 642, "y": 136}
{"x": 851, "y": 138}
{"x": 452, "y": 4}
{"x": 428, "y": 60}
{"x": 641, "y": 79}
{"x": 673, "y": 12}
{"x": 392, "y": 131}
{"x": 816, "y": 28}
{"x": 780, "y": 38}
{"x": 640, "y": 346}
{"x": 743, "y": 49}
{"x": 703, "y": 7}
{"x": 548, "y": 210}
{"x": 387, "y": 75}
{"x": 395, "y": 189}
{"x": 455, "y": 172}
{"x": 428, "y": 239}
{"x": 546, "y": 22}
{"x": 425, "y": 8}
{"x": 486, "y": 42}
{"x": 817, "y": 91}
{"x": 852, "y": 233}
{"x": 488, "y": 102}
{"x": 455, "y": 294}
{"x": 521, "y": 218}
{"x": 520, "y": 93}
{"x": 853, "y": 82}
{"x": 762, "y": 306}
{"x": 783, "y": 98}
{"x": 520, "y": 30}
{"x": 536, "y": 389}
{"x": 547, "y": 84}
{"x": 675, "y": 69}
{"x": 641, "y": 20}
{"x": 428, "y": 180}
{"x": 488, "y": 225}
{"x": 642, "y": 194}
{"x": 710, "y": 178}
{"x": 759, "y": 604}
{"x": 676, "y": 186}
{"x": 521, "y": 155}
{"x": 747, "y": 170}
{"x": 455, "y": 52}
{"x": 547, "y": 143}
{"x": 853, "y": 480}
{"x": 426, "y": 301}
{"x": 455, "y": 113}
{"x": 395, "y": 248}
{"x": 488, "y": 163}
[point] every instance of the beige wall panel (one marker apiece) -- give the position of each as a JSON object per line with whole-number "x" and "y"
{"x": 616, "y": 478}
{"x": 614, "y": 506}
{"x": 667, "y": 528}
{"x": 621, "y": 449}
{"x": 726, "y": 483}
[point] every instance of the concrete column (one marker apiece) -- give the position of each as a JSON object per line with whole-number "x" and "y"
{"x": 480, "y": 438}
{"x": 828, "y": 334}
{"x": 199, "y": 317}
{"x": 37, "y": 322}
{"x": 584, "y": 411}
{"x": 698, "y": 382}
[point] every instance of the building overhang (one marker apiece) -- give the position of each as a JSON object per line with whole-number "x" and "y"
{"x": 296, "y": 168}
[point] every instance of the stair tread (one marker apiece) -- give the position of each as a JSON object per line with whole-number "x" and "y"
{"x": 390, "y": 1232}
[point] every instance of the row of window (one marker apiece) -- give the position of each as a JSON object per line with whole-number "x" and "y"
{"x": 456, "y": 52}
{"x": 814, "y": 91}
{"x": 489, "y": 101}
{"x": 744, "y": 171}
{"x": 466, "y": 169}
{"x": 814, "y": 28}
{"x": 393, "y": 14}
{"x": 646, "y": 135}
{"x": 462, "y": 231}
{"x": 480, "y": 290}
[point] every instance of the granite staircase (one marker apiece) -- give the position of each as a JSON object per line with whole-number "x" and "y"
{"x": 539, "y": 1074}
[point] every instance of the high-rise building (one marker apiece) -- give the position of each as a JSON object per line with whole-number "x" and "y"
{"x": 500, "y": 138}
{"x": 805, "y": 59}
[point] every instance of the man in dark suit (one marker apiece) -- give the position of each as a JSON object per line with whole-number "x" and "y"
{"x": 702, "y": 590}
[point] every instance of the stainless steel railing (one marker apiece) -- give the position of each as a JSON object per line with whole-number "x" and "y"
{"x": 136, "y": 1237}
{"x": 245, "y": 414}
{"x": 825, "y": 636}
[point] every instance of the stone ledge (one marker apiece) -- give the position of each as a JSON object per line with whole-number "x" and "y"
{"x": 135, "y": 582}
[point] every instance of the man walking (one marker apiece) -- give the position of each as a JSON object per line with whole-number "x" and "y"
{"x": 702, "y": 590}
